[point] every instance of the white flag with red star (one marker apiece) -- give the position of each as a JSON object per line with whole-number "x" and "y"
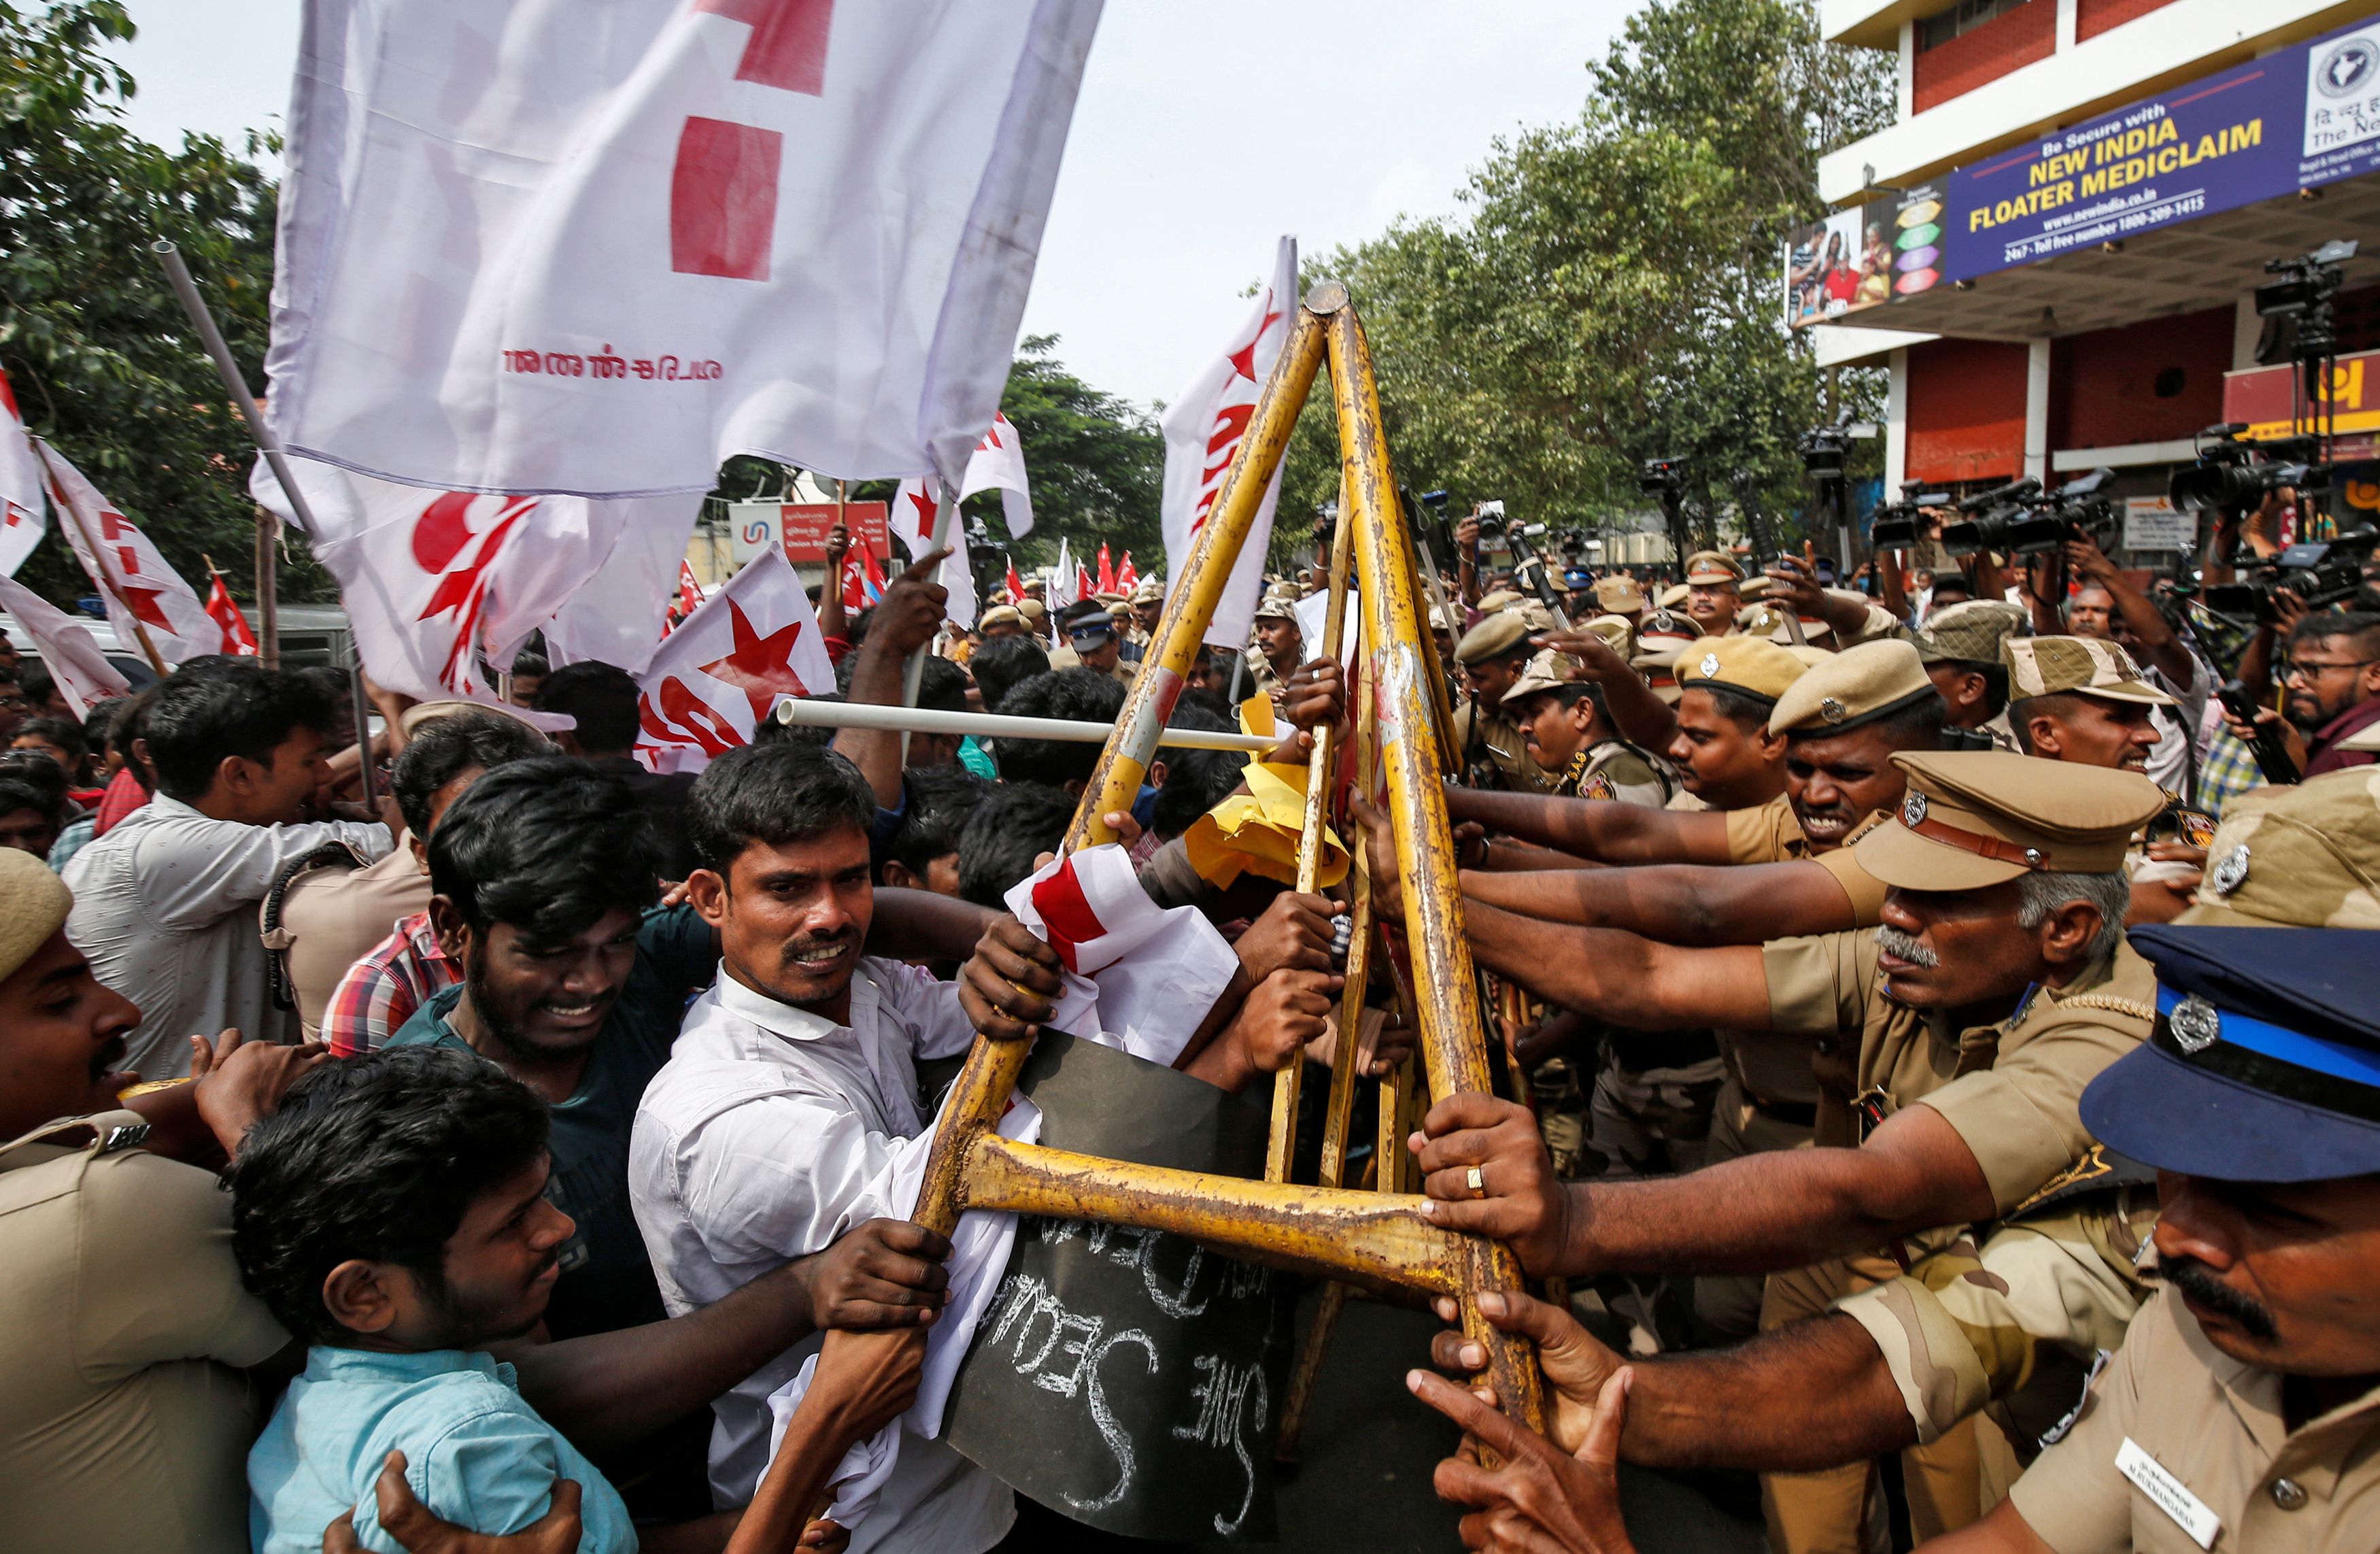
{"x": 998, "y": 463}
{"x": 912, "y": 521}
{"x": 1203, "y": 429}
{"x": 68, "y": 650}
{"x": 600, "y": 245}
{"x": 146, "y": 599}
{"x": 434, "y": 582}
{"x": 721, "y": 670}
{"x": 20, "y": 486}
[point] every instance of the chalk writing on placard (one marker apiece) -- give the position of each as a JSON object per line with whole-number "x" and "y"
{"x": 1127, "y": 1378}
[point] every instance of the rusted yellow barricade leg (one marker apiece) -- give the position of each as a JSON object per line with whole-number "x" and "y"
{"x": 1453, "y": 1044}
{"x": 1319, "y": 774}
{"x": 985, "y": 1083}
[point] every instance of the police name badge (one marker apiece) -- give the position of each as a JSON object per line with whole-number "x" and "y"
{"x": 2169, "y": 1494}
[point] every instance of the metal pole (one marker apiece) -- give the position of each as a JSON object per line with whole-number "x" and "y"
{"x": 267, "y": 586}
{"x": 945, "y": 520}
{"x": 363, "y": 730}
{"x": 801, "y": 713}
{"x": 1452, "y": 1040}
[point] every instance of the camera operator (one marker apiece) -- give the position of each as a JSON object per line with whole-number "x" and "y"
{"x": 2105, "y": 605}
{"x": 2332, "y": 685}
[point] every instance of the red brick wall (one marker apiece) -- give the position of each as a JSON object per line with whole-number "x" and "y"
{"x": 2002, "y": 44}
{"x": 2095, "y": 17}
{"x": 2103, "y": 385}
{"x": 1966, "y": 410}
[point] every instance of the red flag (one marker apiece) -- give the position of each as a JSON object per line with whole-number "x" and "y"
{"x": 1083, "y": 588}
{"x": 1016, "y": 586}
{"x": 1127, "y": 578}
{"x": 863, "y": 581}
{"x": 238, "y": 640}
{"x": 1107, "y": 571}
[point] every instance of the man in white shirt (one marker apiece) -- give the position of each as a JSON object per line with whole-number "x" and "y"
{"x": 793, "y": 1085}
{"x": 166, "y": 903}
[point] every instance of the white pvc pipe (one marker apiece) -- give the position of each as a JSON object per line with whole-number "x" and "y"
{"x": 991, "y": 725}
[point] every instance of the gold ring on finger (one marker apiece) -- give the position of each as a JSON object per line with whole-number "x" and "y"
{"x": 1476, "y": 1181}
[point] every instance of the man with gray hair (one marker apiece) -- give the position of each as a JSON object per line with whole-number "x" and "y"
{"x": 1962, "y": 1032}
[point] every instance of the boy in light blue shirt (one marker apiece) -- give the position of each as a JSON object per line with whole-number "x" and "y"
{"x": 394, "y": 1214}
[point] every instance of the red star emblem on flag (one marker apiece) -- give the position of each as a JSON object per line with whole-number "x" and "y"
{"x": 760, "y": 666}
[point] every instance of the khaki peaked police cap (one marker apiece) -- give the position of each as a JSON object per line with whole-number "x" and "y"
{"x": 1498, "y": 599}
{"x": 2076, "y": 665}
{"x": 1970, "y": 633}
{"x": 1547, "y": 671}
{"x": 1493, "y": 638}
{"x": 1855, "y": 687}
{"x": 1621, "y": 595}
{"x": 1979, "y": 818}
{"x": 1713, "y": 566}
{"x": 1619, "y": 633}
{"x": 33, "y": 905}
{"x": 1000, "y": 614}
{"x": 2301, "y": 856}
{"x": 1675, "y": 595}
{"x": 1750, "y": 665}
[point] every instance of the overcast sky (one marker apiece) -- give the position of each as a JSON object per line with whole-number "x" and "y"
{"x": 1205, "y": 130}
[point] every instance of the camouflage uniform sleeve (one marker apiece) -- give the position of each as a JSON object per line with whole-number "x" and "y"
{"x": 1969, "y": 1326}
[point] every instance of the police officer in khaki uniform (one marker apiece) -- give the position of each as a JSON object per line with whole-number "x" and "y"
{"x": 1962, "y": 650}
{"x": 2241, "y": 1413}
{"x": 1276, "y": 645}
{"x": 1619, "y": 594}
{"x": 2009, "y": 900}
{"x": 1586, "y": 755}
{"x": 125, "y": 1414}
{"x": 1714, "y": 592}
{"x": 1093, "y": 642}
{"x": 1492, "y": 656}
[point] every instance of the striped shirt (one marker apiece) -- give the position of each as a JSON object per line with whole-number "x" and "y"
{"x": 381, "y": 991}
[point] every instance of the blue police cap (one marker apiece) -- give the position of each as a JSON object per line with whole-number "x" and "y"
{"x": 2266, "y": 1062}
{"x": 1578, "y": 578}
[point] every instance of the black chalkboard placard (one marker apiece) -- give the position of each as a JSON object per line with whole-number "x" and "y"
{"x": 1130, "y": 1379}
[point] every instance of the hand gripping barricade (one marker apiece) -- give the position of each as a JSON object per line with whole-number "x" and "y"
{"x": 1380, "y": 1239}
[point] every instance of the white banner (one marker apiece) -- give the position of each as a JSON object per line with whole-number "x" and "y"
{"x": 146, "y": 599}
{"x": 726, "y": 664}
{"x": 68, "y": 650}
{"x": 433, "y": 581}
{"x": 22, "y": 525}
{"x": 598, "y": 246}
{"x": 998, "y": 462}
{"x": 1203, "y": 428}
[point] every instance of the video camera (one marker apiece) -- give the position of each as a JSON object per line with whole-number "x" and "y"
{"x": 2020, "y": 519}
{"x": 2320, "y": 573}
{"x": 1896, "y": 524}
{"x": 2235, "y": 474}
{"x": 1825, "y": 450}
{"x": 2297, "y": 308}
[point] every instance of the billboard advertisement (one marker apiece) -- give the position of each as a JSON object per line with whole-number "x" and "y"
{"x": 1864, "y": 257}
{"x": 801, "y": 528}
{"x": 2294, "y": 120}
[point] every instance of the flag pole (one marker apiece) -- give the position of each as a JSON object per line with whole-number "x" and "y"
{"x": 945, "y": 516}
{"x": 267, "y": 587}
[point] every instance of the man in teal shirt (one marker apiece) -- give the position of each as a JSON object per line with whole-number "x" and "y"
{"x": 543, "y": 881}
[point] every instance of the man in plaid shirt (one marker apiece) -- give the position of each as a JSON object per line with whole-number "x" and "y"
{"x": 381, "y": 991}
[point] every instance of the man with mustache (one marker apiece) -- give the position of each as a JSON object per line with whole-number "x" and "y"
{"x": 2243, "y": 1408}
{"x": 1960, "y": 1033}
{"x": 1842, "y": 723}
{"x": 794, "y": 1089}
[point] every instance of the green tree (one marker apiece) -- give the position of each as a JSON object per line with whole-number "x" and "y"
{"x": 1612, "y": 292}
{"x": 103, "y": 361}
{"x": 1097, "y": 463}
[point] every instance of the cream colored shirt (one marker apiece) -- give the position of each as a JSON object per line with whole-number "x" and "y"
{"x": 2215, "y": 1424}
{"x": 125, "y": 1420}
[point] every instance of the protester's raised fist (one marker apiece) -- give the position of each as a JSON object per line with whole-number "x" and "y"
{"x": 1012, "y": 983}
{"x": 1316, "y": 696}
{"x": 1542, "y": 1498}
{"x": 885, "y": 1273}
{"x": 417, "y": 1529}
{"x": 1468, "y": 1140}
{"x": 912, "y": 607}
{"x": 838, "y": 542}
{"x": 1294, "y": 932}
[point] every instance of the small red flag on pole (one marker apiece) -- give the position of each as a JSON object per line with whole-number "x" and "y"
{"x": 222, "y": 608}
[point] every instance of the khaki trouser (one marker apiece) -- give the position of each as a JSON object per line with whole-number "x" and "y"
{"x": 1729, "y": 1304}
{"x": 1826, "y": 1512}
